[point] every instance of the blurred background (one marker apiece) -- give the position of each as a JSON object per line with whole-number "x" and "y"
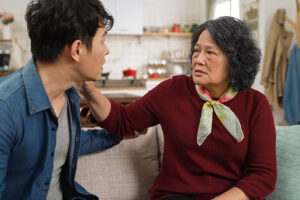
{"x": 150, "y": 40}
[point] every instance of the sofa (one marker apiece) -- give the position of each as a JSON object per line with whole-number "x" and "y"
{"x": 127, "y": 171}
{"x": 288, "y": 163}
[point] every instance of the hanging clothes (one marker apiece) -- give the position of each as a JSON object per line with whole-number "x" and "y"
{"x": 276, "y": 59}
{"x": 291, "y": 96}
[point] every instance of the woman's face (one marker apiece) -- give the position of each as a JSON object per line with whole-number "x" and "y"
{"x": 210, "y": 64}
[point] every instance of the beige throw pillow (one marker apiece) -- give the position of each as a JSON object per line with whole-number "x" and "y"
{"x": 126, "y": 171}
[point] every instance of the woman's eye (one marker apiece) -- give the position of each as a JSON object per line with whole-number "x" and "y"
{"x": 210, "y": 52}
{"x": 195, "y": 51}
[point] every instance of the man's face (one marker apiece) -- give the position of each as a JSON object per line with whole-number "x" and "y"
{"x": 91, "y": 61}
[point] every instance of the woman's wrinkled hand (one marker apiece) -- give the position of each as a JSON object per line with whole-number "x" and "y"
{"x": 86, "y": 87}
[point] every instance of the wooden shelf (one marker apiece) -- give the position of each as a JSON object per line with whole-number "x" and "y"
{"x": 3, "y": 40}
{"x": 123, "y": 98}
{"x": 156, "y": 79}
{"x": 178, "y": 60}
{"x": 122, "y": 88}
{"x": 4, "y": 73}
{"x": 170, "y": 34}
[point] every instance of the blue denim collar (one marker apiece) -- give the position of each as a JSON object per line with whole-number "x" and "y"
{"x": 36, "y": 95}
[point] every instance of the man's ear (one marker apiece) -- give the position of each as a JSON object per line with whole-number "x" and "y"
{"x": 75, "y": 50}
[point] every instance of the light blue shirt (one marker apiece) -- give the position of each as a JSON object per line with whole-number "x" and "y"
{"x": 28, "y": 127}
{"x": 291, "y": 93}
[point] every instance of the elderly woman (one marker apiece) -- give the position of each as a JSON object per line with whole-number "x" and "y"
{"x": 219, "y": 134}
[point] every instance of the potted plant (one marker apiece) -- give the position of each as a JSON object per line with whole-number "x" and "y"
{"x": 6, "y": 19}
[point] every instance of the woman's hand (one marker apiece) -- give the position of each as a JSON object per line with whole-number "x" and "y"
{"x": 100, "y": 106}
{"x": 86, "y": 88}
{"x": 232, "y": 194}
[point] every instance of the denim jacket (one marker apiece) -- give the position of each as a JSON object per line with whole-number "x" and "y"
{"x": 28, "y": 128}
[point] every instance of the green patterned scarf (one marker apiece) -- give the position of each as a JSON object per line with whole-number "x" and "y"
{"x": 224, "y": 114}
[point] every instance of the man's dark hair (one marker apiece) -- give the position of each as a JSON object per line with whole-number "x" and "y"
{"x": 234, "y": 38}
{"x": 53, "y": 24}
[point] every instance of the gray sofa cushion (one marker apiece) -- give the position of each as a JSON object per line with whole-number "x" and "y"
{"x": 288, "y": 164}
{"x": 127, "y": 171}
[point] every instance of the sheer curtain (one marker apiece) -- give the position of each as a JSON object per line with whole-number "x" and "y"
{"x": 218, "y": 8}
{"x": 211, "y": 7}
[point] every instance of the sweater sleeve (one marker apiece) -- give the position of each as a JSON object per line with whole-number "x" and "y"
{"x": 260, "y": 175}
{"x": 143, "y": 113}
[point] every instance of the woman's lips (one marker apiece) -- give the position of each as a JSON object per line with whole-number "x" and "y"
{"x": 198, "y": 72}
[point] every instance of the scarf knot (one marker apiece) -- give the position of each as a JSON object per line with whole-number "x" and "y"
{"x": 224, "y": 114}
{"x": 214, "y": 102}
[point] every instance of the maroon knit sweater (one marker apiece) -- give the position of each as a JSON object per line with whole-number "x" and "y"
{"x": 220, "y": 163}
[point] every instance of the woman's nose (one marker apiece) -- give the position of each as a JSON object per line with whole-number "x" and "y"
{"x": 199, "y": 58}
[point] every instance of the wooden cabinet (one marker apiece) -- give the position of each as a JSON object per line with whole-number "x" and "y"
{"x": 4, "y": 73}
{"x": 123, "y": 98}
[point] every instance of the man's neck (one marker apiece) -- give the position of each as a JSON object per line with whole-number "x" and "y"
{"x": 56, "y": 80}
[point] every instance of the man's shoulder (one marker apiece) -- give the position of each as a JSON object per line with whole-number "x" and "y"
{"x": 10, "y": 85}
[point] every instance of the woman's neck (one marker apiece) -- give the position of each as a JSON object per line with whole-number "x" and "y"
{"x": 217, "y": 92}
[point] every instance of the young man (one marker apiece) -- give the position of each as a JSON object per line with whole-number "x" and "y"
{"x": 40, "y": 132}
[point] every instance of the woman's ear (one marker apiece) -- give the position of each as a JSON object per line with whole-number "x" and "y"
{"x": 75, "y": 50}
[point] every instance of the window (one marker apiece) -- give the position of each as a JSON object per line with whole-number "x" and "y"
{"x": 226, "y": 8}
